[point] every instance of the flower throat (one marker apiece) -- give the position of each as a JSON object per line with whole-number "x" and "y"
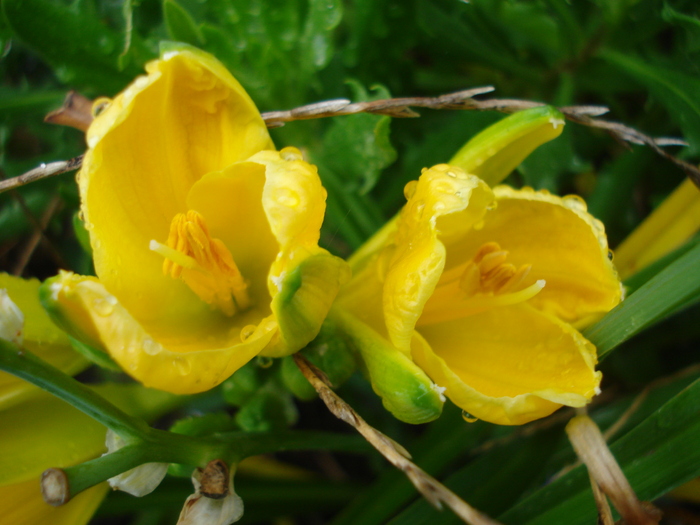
{"x": 203, "y": 263}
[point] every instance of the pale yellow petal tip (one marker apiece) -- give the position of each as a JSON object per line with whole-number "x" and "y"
{"x": 11, "y": 320}
{"x": 138, "y": 481}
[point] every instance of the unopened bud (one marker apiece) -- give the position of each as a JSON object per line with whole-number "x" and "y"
{"x": 138, "y": 481}
{"x": 11, "y": 320}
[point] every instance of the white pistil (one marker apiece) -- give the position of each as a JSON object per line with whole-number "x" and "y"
{"x": 175, "y": 256}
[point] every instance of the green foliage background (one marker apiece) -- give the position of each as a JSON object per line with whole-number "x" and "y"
{"x": 641, "y": 58}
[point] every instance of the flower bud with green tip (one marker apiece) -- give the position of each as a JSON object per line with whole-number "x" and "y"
{"x": 495, "y": 152}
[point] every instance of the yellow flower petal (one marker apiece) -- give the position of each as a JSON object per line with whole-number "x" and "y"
{"x": 167, "y": 362}
{"x": 41, "y": 337}
{"x": 25, "y": 505}
{"x": 42, "y": 433}
{"x": 187, "y": 118}
{"x": 509, "y": 365}
{"x": 445, "y": 202}
{"x": 565, "y": 245}
{"x": 669, "y": 226}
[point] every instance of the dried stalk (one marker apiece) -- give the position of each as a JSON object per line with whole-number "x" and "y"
{"x": 397, "y": 108}
{"x": 431, "y": 489}
{"x": 591, "y": 448}
{"x": 42, "y": 172}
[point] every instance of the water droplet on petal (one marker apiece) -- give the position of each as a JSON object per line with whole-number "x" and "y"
{"x": 468, "y": 417}
{"x": 410, "y": 189}
{"x": 183, "y": 366}
{"x": 151, "y": 347}
{"x": 103, "y": 307}
{"x": 286, "y": 197}
{"x": 264, "y": 362}
{"x": 247, "y": 331}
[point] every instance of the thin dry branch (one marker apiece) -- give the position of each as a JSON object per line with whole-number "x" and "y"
{"x": 41, "y": 172}
{"x": 431, "y": 489}
{"x": 397, "y": 108}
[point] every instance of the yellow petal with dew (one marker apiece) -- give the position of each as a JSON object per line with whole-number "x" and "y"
{"x": 509, "y": 365}
{"x": 165, "y": 363}
{"x": 565, "y": 245}
{"x": 293, "y": 198}
{"x": 41, "y": 337}
{"x": 25, "y": 505}
{"x": 406, "y": 391}
{"x": 186, "y": 118}
{"x": 445, "y": 202}
{"x": 495, "y": 152}
{"x": 671, "y": 224}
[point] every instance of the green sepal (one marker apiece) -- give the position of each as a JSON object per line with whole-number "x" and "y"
{"x": 98, "y": 357}
{"x": 269, "y": 409}
{"x": 199, "y": 426}
{"x": 305, "y": 297}
{"x": 330, "y": 353}
{"x": 406, "y": 391}
{"x": 495, "y": 152}
{"x": 81, "y": 233}
{"x": 241, "y": 386}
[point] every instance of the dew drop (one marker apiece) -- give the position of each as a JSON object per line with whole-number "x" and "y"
{"x": 286, "y": 197}
{"x": 290, "y": 154}
{"x": 264, "y": 362}
{"x": 43, "y": 165}
{"x": 103, "y": 307}
{"x": 247, "y": 331}
{"x": 468, "y": 417}
{"x": 409, "y": 189}
{"x": 610, "y": 255}
{"x": 151, "y": 347}
{"x": 183, "y": 366}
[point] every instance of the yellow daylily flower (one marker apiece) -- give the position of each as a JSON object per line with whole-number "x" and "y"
{"x": 670, "y": 225}
{"x": 480, "y": 288}
{"x": 56, "y": 435}
{"x": 39, "y": 336}
{"x": 205, "y": 239}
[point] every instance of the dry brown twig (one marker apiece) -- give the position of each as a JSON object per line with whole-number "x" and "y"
{"x": 73, "y": 114}
{"x": 431, "y": 489}
{"x": 606, "y": 474}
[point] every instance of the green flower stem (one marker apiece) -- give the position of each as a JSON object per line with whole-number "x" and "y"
{"x": 32, "y": 369}
{"x": 232, "y": 447}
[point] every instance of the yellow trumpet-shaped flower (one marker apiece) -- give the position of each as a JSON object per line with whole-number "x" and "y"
{"x": 205, "y": 239}
{"x": 481, "y": 288}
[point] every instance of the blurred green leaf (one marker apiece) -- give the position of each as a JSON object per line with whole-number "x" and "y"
{"x": 357, "y": 147}
{"x": 82, "y": 51}
{"x": 180, "y": 24}
{"x": 676, "y": 286}
{"x": 679, "y": 92}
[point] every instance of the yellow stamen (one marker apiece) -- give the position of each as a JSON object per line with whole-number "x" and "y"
{"x": 203, "y": 263}
{"x": 484, "y": 282}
